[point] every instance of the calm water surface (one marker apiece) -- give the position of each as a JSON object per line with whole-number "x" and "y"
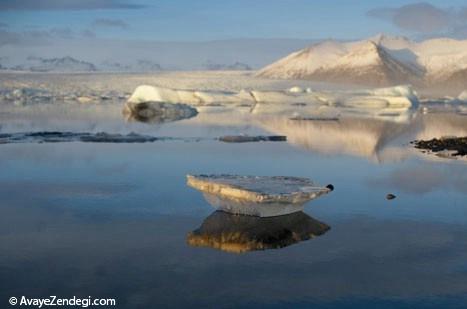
{"x": 111, "y": 220}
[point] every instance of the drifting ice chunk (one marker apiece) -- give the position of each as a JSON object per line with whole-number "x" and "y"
{"x": 239, "y": 234}
{"x": 463, "y": 96}
{"x": 257, "y": 195}
{"x": 159, "y": 94}
{"x": 296, "y": 89}
{"x": 146, "y": 93}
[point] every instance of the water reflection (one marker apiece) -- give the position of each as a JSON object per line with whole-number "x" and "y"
{"x": 375, "y": 139}
{"x": 382, "y": 138}
{"x": 157, "y": 112}
{"x": 239, "y": 234}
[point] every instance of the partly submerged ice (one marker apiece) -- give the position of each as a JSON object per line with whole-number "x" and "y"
{"x": 260, "y": 196}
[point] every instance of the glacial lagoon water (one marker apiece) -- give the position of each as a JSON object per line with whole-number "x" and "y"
{"x": 112, "y": 220}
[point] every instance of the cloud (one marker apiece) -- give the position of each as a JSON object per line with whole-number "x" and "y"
{"x": 87, "y": 33}
{"x": 3, "y": 25}
{"x": 423, "y": 17}
{"x": 110, "y": 23}
{"x": 44, "y": 5}
{"x": 7, "y": 37}
{"x": 62, "y": 33}
{"x": 34, "y": 37}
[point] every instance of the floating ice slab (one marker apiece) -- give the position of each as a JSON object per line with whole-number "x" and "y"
{"x": 239, "y": 234}
{"x": 260, "y": 196}
{"x": 249, "y": 139}
{"x": 66, "y": 137}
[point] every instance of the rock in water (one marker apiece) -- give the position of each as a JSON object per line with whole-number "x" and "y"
{"x": 260, "y": 196}
{"x": 158, "y": 112}
{"x": 390, "y": 196}
{"x": 238, "y": 234}
{"x": 454, "y": 146}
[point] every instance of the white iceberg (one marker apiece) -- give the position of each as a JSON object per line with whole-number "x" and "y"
{"x": 296, "y": 89}
{"x": 147, "y": 93}
{"x": 382, "y": 98}
{"x": 463, "y": 96}
{"x": 259, "y": 196}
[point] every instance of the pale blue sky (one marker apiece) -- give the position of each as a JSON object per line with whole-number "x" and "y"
{"x": 196, "y": 20}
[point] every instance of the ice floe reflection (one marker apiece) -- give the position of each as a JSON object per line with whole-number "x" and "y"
{"x": 239, "y": 233}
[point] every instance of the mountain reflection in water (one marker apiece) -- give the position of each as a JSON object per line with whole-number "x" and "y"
{"x": 239, "y": 234}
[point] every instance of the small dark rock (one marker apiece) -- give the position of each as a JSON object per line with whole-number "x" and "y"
{"x": 390, "y": 196}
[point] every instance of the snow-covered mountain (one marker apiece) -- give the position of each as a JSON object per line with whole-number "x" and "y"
{"x": 236, "y": 66}
{"x": 379, "y": 60}
{"x": 63, "y": 64}
{"x": 139, "y": 66}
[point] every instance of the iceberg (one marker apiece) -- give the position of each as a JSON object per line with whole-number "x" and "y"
{"x": 147, "y": 93}
{"x": 463, "y": 96}
{"x": 399, "y": 97}
{"x": 390, "y": 97}
{"x": 296, "y": 89}
{"x": 240, "y": 234}
{"x": 260, "y": 196}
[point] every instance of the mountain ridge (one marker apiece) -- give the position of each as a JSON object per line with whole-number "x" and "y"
{"x": 378, "y": 61}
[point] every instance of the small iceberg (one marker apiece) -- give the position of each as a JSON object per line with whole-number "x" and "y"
{"x": 463, "y": 96}
{"x": 260, "y": 196}
{"x": 239, "y": 234}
